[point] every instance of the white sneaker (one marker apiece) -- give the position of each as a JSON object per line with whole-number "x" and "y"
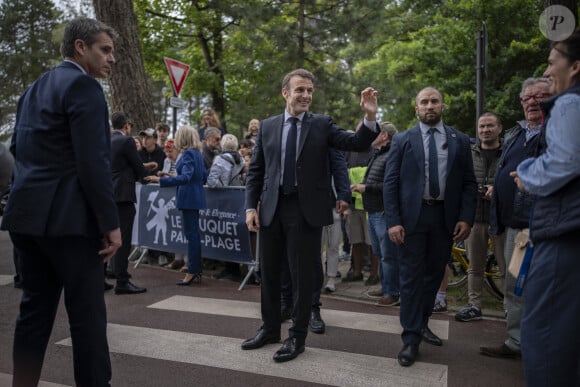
{"x": 330, "y": 286}
{"x": 162, "y": 260}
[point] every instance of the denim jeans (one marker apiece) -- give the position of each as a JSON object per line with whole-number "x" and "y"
{"x": 386, "y": 251}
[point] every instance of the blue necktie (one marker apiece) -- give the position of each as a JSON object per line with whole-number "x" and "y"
{"x": 433, "y": 165}
{"x": 290, "y": 158}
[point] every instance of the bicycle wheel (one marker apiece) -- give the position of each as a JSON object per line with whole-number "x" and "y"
{"x": 493, "y": 277}
{"x": 457, "y": 269}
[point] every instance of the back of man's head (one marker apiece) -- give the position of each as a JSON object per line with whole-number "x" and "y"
{"x": 119, "y": 120}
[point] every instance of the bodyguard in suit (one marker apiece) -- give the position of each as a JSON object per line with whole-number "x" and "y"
{"x": 429, "y": 197}
{"x": 288, "y": 199}
{"x": 127, "y": 168}
{"x": 61, "y": 214}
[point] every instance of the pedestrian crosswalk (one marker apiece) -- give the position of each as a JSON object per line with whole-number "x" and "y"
{"x": 337, "y": 318}
{"x": 6, "y": 279}
{"x": 6, "y": 380}
{"x": 315, "y": 365}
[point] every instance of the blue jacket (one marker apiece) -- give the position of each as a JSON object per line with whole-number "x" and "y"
{"x": 559, "y": 212}
{"x": 189, "y": 181}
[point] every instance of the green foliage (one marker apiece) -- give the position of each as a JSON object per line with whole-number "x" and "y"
{"x": 239, "y": 51}
{"x": 433, "y": 44}
{"x": 27, "y": 45}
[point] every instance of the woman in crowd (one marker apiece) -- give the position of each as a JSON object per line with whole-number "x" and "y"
{"x": 227, "y": 170}
{"x": 209, "y": 119}
{"x": 228, "y": 166}
{"x": 550, "y": 339}
{"x": 190, "y": 196}
{"x": 253, "y": 128}
{"x": 138, "y": 143}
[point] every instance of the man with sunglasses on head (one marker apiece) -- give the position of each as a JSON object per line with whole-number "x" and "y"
{"x": 510, "y": 208}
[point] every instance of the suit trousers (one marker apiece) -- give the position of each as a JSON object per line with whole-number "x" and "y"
{"x": 49, "y": 265}
{"x": 550, "y": 339}
{"x": 121, "y": 259}
{"x": 423, "y": 260}
{"x": 287, "y": 298}
{"x": 289, "y": 237}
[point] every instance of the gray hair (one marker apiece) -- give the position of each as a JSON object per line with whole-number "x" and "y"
{"x": 389, "y": 128}
{"x": 229, "y": 142}
{"x": 211, "y": 131}
{"x": 85, "y": 29}
{"x": 532, "y": 81}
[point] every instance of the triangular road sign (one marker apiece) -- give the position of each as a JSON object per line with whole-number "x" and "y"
{"x": 177, "y": 73}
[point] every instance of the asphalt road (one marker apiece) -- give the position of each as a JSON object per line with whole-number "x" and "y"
{"x": 190, "y": 336}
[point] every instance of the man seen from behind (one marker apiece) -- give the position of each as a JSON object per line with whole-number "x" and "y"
{"x": 61, "y": 213}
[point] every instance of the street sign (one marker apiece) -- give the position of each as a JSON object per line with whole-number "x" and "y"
{"x": 178, "y": 103}
{"x": 177, "y": 73}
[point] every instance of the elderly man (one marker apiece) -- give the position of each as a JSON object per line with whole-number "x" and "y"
{"x": 510, "y": 208}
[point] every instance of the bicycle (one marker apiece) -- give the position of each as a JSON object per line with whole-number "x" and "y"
{"x": 459, "y": 266}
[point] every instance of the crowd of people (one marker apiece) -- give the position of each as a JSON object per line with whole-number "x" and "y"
{"x": 406, "y": 197}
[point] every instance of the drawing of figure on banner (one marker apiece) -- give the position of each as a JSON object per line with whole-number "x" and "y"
{"x": 159, "y": 219}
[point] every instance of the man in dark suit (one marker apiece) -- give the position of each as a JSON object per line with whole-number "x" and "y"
{"x": 127, "y": 167}
{"x": 429, "y": 197}
{"x": 61, "y": 213}
{"x": 288, "y": 199}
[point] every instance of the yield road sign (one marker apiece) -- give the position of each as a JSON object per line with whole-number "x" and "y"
{"x": 177, "y": 73}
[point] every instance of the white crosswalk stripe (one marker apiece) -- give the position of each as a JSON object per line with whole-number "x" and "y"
{"x": 333, "y": 368}
{"x": 6, "y": 380}
{"x": 337, "y": 318}
{"x": 6, "y": 279}
{"x": 315, "y": 365}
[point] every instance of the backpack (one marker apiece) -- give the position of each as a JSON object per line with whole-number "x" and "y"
{"x": 236, "y": 173}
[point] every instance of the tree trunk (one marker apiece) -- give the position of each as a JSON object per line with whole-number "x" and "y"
{"x": 129, "y": 83}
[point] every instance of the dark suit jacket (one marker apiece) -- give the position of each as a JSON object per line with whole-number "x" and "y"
{"x": 126, "y": 165}
{"x": 318, "y": 133}
{"x": 405, "y": 180}
{"x": 191, "y": 174}
{"x": 62, "y": 181}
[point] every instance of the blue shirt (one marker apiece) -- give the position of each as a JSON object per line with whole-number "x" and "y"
{"x": 560, "y": 163}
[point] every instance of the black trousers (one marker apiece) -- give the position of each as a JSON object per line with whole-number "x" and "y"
{"x": 287, "y": 299}
{"x": 290, "y": 238}
{"x": 421, "y": 267}
{"x": 120, "y": 262}
{"x": 49, "y": 265}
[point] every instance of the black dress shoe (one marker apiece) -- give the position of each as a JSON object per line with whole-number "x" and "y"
{"x": 262, "y": 338}
{"x": 408, "y": 354}
{"x": 430, "y": 337}
{"x": 291, "y": 348}
{"x": 316, "y": 323}
{"x": 108, "y": 286}
{"x": 285, "y": 313}
{"x": 128, "y": 288}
